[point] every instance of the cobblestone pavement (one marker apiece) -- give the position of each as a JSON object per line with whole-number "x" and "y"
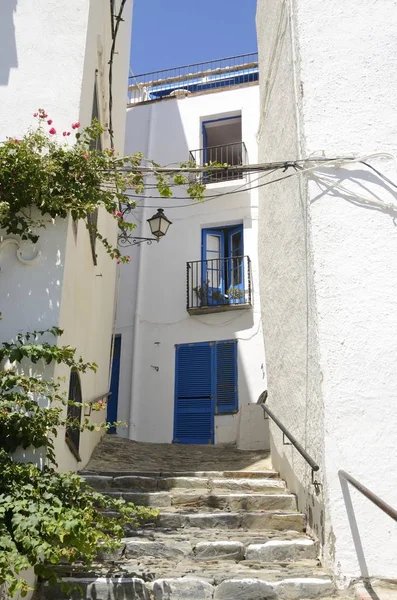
{"x": 119, "y": 454}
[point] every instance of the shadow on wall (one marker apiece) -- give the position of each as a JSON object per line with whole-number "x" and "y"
{"x": 9, "y": 58}
{"x": 30, "y": 295}
{"x": 369, "y": 191}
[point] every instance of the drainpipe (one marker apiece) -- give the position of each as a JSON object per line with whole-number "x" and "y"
{"x": 139, "y": 293}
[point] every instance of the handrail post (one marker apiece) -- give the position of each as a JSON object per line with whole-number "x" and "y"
{"x": 314, "y": 466}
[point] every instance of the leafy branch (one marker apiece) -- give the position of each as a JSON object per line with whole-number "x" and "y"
{"x": 47, "y": 517}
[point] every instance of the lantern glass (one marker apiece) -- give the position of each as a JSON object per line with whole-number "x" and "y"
{"x": 159, "y": 224}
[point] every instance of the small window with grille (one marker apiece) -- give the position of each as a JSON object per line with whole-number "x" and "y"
{"x": 72, "y": 434}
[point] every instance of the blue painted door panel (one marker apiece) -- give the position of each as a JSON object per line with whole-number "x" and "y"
{"x": 114, "y": 384}
{"x": 194, "y": 398}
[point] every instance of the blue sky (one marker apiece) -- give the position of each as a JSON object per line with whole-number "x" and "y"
{"x": 180, "y": 32}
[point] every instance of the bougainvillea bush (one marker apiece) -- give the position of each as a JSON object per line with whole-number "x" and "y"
{"x": 42, "y": 179}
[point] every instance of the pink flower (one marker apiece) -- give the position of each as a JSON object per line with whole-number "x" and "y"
{"x": 64, "y": 133}
{"x": 75, "y": 125}
{"x": 35, "y": 114}
{"x": 49, "y": 121}
{"x": 52, "y": 131}
{"x": 68, "y": 133}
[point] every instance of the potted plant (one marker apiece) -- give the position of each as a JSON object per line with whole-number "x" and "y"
{"x": 235, "y": 294}
{"x": 202, "y": 293}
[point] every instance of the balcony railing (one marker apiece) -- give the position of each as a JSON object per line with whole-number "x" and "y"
{"x": 218, "y": 284}
{"x": 228, "y": 154}
{"x": 197, "y": 77}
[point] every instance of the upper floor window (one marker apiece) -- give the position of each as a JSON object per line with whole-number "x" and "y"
{"x": 223, "y": 144}
{"x": 221, "y": 280}
{"x": 223, "y": 265}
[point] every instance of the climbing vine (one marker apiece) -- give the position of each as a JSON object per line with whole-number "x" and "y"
{"x": 48, "y": 517}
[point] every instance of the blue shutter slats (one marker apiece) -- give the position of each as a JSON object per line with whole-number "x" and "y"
{"x": 226, "y": 377}
{"x": 194, "y": 410}
{"x": 205, "y": 385}
{"x": 194, "y": 371}
{"x": 194, "y": 422}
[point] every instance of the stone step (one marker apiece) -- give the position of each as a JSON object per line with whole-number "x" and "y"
{"x": 231, "y": 501}
{"x": 222, "y": 549}
{"x": 211, "y": 474}
{"x": 195, "y": 588}
{"x": 138, "y": 483}
{"x": 257, "y": 520}
{"x": 196, "y": 535}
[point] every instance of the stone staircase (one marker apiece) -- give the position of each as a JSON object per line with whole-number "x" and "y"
{"x": 221, "y": 535}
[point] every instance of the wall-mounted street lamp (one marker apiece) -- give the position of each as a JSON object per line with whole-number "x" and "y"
{"x": 158, "y": 224}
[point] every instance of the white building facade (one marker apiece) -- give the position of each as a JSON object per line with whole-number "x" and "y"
{"x": 192, "y": 360}
{"x": 55, "y": 56}
{"x": 328, "y": 277}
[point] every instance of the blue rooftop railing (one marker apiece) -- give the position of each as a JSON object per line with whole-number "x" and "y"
{"x": 197, "y": 77}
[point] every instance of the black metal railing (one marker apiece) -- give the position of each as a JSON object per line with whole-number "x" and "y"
{"x": 234, "y": 154}
{"x": 390, "y": 511}
{"x": 287, "y": 434}
{"x": 218, "y": 284}
{"x": 197, "y": 77}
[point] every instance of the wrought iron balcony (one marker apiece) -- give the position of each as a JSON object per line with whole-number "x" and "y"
{"x": 218, "y": 285}
{"x": 231, "y": 154}
{"x": 194, "y": 78}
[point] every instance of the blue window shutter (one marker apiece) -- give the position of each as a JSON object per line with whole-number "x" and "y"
{"x": 194, "y": 371}
{"x": 226, "y": 377}
{"x": 194, "y": 395}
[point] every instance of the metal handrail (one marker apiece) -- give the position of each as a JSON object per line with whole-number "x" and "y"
{"x": 314, "y": 466}
{"x": 390, "y": 511}
{"x": 105, "y": 395}
{"x": 88, "y": 405}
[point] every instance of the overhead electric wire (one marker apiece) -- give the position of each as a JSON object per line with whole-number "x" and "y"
{"x": 389, "y": 181}
{"x": 241, "y": 168}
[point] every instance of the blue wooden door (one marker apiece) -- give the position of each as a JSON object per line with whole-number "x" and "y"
{"x": 114, "y": 384}
{"x": 194, "y": 394}
{"x": 205, "y": 385}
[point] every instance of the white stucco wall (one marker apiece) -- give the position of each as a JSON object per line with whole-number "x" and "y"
{"x": 52, "y": 56}
{"x": 286, "y": 298}
{"x": 153, "y": 316}
{"x": 337, "y": 83}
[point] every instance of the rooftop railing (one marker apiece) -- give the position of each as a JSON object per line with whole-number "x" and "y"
{"x": 197, "y": 77}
